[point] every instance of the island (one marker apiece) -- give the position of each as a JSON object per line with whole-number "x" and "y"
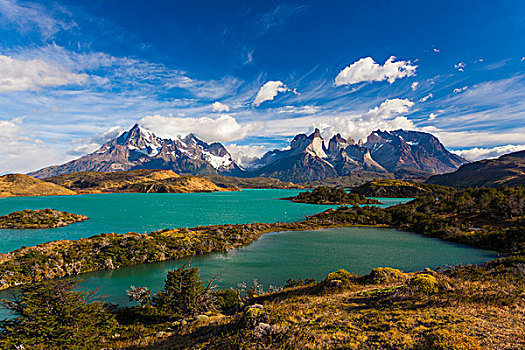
{"x": 40, "y": 218}
{"x": 400, "y": 189}
{"x": 331, "y": 195}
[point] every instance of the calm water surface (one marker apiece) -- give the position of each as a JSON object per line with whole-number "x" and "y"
{"x": 276, "y": 257}
{"x": 145, "y": 212}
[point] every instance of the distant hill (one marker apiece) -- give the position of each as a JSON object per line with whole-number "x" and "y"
{"x": 506, "y": 170}
{"x": 14, "y": 185}
{"x": 250, "y": 182}
{"x": 142, "y": 181}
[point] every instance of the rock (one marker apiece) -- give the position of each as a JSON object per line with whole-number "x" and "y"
{"x": 263, "y": 330}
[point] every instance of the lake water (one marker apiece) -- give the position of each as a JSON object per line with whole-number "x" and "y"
{"x": 145, "y": 212}
{"x": 276, "y": 257}
{"x": 271, "y": 260}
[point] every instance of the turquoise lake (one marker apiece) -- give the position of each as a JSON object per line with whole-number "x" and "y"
{"x": 271, "y": 260}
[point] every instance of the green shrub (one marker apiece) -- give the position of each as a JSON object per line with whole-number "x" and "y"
{"x": 227, "y": 300}
{"x": 424, "y": 283}
{"x": 443, "y": 339}
{"x": 385, "y": 275}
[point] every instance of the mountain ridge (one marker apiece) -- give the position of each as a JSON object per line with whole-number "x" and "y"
{"x": 307, "y": 158}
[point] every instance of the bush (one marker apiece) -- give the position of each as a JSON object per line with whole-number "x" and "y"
{"x": 385, "y": 275}
{"x": 443, "y": 339}
{"x": 184, "y": 293}
{"x": 339, "y": 278}
{"x": 53, "y": 315}
{"x": 227, "y": 300}
{"x": 424, "y": 283}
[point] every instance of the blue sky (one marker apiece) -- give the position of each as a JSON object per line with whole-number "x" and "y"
{"x": 252, "y": 74}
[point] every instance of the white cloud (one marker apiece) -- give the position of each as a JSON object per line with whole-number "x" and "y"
{"x": 432, "y": 116}
{"x": 462, "y": 139}
{"x": 366, "y": 69}
{"x": 487, "y": 153}
{"x": 220, "y": 107}
{"x": 20, "y": 152}
{"x": 460, "y": 66}
{"x": 386, "y": 116}
{"x": 31, "y": 16}
{"x": 458, "y": 90}
{"x": 222, "y": 129}
{"x": 91, "y": 144}
{"x": 298, "y": 110}
{"x": 424, "y": 99}
{"x": 269, "y": 90}
{"x": 32, "y": 75}
{"x": 414, "y": 85}
{"x": 244, "y": 154}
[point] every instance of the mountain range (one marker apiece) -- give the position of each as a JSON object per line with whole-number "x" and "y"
{"x": 308, "y": 158}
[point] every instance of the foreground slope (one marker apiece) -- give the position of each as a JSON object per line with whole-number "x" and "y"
{"x": 13, "y": 185}
{"x": 508, "y": 170}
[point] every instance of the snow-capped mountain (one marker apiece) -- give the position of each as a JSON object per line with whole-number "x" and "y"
{"x": 399, "y": 151}
{"x": 139, "y": 148}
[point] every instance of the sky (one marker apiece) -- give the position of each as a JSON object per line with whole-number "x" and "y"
{"x": 253, "y": 74}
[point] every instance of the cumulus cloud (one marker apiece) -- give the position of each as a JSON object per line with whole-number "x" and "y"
{"x": 245, "y": 154}
{"x": 269, "y": 90}
{"x": 414, "y": 85}
{"x": 20, "y": 151}
{"x": 458, "y": 90}
{"x": 20, "y": 75}
{"x": 424, "y": 99}
{"x": 478, "y": 153}
{"x": 386, "y": 116}
{"x": 220, "y": 107}
{"x": 222, "y": 129}
{"x": 367, "y": 70}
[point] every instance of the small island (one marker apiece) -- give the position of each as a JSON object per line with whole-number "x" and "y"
{"x": 40, "y": 218}
{"x": 331, "y": 195}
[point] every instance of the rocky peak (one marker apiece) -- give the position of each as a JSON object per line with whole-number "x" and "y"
{"x": 336, "y": 143}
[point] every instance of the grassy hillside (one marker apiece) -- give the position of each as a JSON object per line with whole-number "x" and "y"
{"x": 462, "y": 308}
{"x": 147, "y": 181}
{"x": 399, "y": 189}
{"x": 13, "y": 185}
{"x": 508, "y": 170}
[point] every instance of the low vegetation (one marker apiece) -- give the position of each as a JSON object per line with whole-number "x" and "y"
{"x": 457, "y": 308}
{"x": 40, "y": 218}
{"x": 400, "y": 189}
{"x": 334, "y": 195}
